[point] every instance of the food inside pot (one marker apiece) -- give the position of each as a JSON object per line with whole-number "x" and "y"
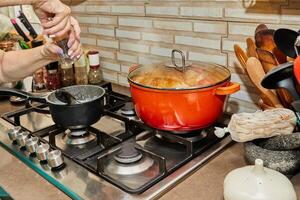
{"x": 194, "y": 76}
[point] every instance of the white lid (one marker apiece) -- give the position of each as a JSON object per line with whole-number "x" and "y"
{"x": 257, "y": 182}
{"x": 94, "y": 59}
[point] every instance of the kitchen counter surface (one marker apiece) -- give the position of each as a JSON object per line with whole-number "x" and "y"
{"x": 205, "y": 183}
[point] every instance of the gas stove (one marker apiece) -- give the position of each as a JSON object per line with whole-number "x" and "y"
{"x": 119, "y": 157}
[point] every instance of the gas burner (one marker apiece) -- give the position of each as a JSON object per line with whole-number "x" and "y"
{"x": 77, "y": 137}
{"x": 138, "y": 167}
{"x": 128, "y": 154}
{"x": 128, "y": 161}
{"x": 193, "y": 136}
{"x": 128, "y": 109}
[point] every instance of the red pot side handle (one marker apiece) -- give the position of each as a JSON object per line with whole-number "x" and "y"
{"x": 230, "y": 89}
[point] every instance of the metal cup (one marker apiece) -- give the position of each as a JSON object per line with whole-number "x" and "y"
{"x": 55, "y": 158}
{"x": 12, "y": 133}
{"x": 31, "y": 144}
{"x": 42, "y": 151}
{"x": 22, "y": 137}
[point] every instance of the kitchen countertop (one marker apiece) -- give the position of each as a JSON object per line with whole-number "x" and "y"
{"x": 205, "y": 183}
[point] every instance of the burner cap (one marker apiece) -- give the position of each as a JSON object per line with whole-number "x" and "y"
{"x": 128, "y": 153}
{"x": 128, "y": 109}
{"x": 193, "y": 136}
{"x": 77, "y": 137}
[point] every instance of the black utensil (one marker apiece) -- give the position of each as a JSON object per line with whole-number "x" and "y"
{"x": 285, "y": 40}
{"x": 27, "y": 25}
{"x": 19, "y": 30}
{"x": 65, "y": 97}
{"x": 282, "y": 76}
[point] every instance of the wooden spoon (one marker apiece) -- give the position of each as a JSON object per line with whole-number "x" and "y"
{"x": 251, "y": 48}
{"x": 269, "y": 61}
{"x": 241, "y": 56}
{"x": 256, "y": 74}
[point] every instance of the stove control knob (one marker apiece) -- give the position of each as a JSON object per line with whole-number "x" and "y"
{"x": 12, "y": 133}
{"x": 22, "y": 138}
{"x": 31, "y": 144}
{"x": 42, "y": 152}
{"x": 55, "y": 159}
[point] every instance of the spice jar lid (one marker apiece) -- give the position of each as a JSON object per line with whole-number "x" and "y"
{"x": 94, "y": 58}
{"x": 52, "y": 66}
{"x": 66, "y": 66}
{"x": 36, "y": 43}
{"x": 81, "y": 62}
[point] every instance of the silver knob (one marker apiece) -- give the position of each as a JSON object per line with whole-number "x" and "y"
{"x": 42, "y": 151}
{"x": 22, "y": 138}
{"x": 55, "y": 158}
{"x": 12, "y": 133}
{"x": 31, "y": 144}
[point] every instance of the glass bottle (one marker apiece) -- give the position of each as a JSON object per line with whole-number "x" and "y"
{"x": 62, "y": 42}
{"x": 52, "y": 78}
{"x": 38, "y": 76}
{"x": 95, "y": 76}
{"x": 67, "y": 74}
{"x": 81, "y": 77}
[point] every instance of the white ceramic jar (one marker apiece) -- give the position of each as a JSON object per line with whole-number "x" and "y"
{"x": 257, "y": 183}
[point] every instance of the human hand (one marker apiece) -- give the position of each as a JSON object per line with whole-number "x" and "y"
{"x": 51, "y": 51}
{"x": 75, "y": 50}
{"x": 59, "y": 14}
{"x": 61, "y": 23}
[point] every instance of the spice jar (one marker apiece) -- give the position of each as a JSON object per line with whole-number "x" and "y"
{"x": 38, "y": 76}
{"x": 52, "y": 78}
{"x": 95, "y": 73}
{"x": 6, "y": 45}
{"x": 62, "y": 42}
{"x": 67, "y": 74}
{"x": 81, "y": 77}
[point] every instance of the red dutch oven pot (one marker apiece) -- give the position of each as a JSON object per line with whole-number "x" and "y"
{"x": 182, "y": 109}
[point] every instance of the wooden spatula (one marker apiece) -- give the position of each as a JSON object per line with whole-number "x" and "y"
{"x": 256, "y": 74}
{"x": 241, "y": 56}
{"x": 251, "y": 48}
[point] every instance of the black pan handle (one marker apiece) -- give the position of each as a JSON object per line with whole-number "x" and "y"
{"x": 19, "y": 93}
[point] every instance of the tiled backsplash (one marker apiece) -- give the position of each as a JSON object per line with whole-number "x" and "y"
{"x": 145, "y": 32}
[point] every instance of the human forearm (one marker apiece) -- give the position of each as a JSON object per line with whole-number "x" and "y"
{"x": 16, "y": 65}
{"x": 16, "y": 2}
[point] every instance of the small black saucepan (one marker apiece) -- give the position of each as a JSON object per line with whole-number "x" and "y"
{"x": 87, "y": 111}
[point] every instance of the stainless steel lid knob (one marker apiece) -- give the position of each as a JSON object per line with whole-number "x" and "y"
{"x": 31, "y": 144}
{"x": 42, "y": 152}
{"x": 12, "y": 133}
{"x": 55, "y": 159}
{"x": 22, "y": 137}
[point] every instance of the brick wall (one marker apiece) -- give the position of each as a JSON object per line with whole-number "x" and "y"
{"x": 145, "y": 32}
